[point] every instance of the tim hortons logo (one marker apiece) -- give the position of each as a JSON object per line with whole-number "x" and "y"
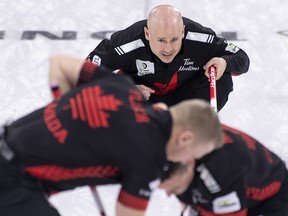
{"x": 74, "y": 35}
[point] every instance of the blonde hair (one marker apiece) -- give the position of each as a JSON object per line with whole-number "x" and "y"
{"x": 198, "y": 116}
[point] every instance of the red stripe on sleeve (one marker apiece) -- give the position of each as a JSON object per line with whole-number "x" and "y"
{"x": 263, "y": 193}
{"x": 132, "y": 201}
{"x": 86, "y": 72}
{"x": 58, "y": 173}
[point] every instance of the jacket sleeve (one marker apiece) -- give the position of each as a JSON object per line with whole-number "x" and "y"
{"x": 216, "y": 192}
{"x": 105, "y": 54}
{"x": 237, "y": 59}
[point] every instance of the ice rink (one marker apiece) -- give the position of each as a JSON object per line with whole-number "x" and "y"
{"x": 258, "y": 105}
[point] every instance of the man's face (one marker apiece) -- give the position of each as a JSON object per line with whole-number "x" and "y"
{"x": 165, "y": 43}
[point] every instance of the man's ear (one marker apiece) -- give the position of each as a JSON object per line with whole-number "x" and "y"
{"x": 183, "y": 31}
{"x": 186, "y": 137}
{"x": 146, "y": 31}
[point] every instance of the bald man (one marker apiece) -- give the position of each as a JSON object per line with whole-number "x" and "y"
{"x": 168, "y": 56}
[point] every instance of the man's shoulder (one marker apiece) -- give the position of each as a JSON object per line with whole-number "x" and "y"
{"x": 193, "y": 26}
{"x": 228, "y": 155}
{"x": 132, "y": 33}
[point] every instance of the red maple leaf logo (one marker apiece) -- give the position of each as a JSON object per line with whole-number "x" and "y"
{"x": 90, "y": 105}
{"x": 162, "y": 89}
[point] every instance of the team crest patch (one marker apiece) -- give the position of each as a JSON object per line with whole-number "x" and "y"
{"x": 226, "y": 204}
{"x": 144, "y": 67}
{"x": 232, "y": 48}
{"x": 96, "y": 60}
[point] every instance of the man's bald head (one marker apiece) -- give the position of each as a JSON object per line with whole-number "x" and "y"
{"x": 164, "y": 15}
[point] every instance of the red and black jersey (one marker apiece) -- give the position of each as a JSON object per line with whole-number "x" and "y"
{"x": 129, "y": 51}
{"x": 242, "y": 178}
{"x": 102, "y": 132}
